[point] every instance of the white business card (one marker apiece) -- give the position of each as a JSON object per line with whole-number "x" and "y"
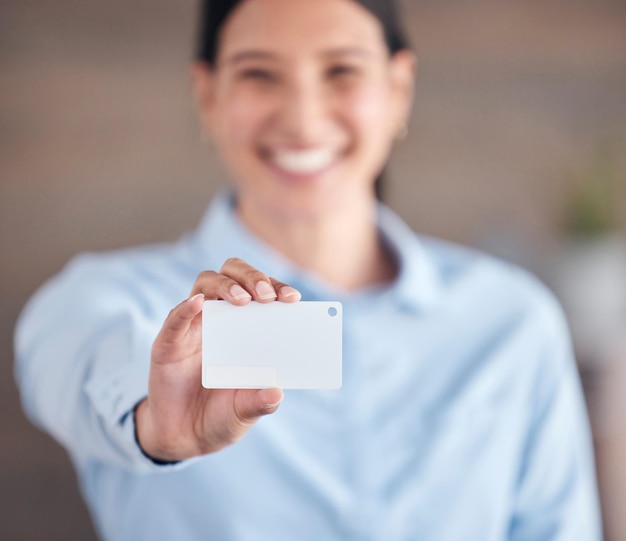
{"x": 287, "y": 345}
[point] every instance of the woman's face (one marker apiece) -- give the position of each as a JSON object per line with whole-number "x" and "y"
{"x": 303, "y": 104}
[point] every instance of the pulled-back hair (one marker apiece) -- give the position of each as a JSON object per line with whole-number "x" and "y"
{"x": 214, "y": 14}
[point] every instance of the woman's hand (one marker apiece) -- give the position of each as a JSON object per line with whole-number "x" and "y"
{"x": 179, "y": 418}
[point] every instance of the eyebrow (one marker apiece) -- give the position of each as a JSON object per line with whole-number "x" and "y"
{"x": 242, "y": 56}
{"x": 347, "y": 51}
{"x": 259, "y": 54}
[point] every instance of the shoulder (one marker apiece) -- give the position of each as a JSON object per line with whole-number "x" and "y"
{"x": 506, "y": 320}
{"x": 95, "y": 287}
{"x": 489, "y": 277}
{"x": 139, "y": 268}
{"x": 498, "y": 295}
{"x": 464, "y": 279}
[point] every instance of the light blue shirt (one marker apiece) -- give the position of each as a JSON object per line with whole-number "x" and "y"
{"x": 460, "y": 418}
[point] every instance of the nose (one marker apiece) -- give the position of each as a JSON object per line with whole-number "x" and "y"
{"x": 305, "y": 112}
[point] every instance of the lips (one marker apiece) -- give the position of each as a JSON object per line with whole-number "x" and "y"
{"x": 304, "y": 162}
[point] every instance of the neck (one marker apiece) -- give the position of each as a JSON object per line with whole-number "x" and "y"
{"x": 345, "y": 249}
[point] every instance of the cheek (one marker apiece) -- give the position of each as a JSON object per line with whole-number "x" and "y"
{"x": 368, "y": 110}
{"x": 242, "y": 115}
{"x": 369, "y": 113}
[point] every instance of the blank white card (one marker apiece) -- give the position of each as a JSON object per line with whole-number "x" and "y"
{"x": 287, "y": 345}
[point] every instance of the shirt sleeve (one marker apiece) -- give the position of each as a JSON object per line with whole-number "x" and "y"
{"x": 82, "y": 348}
{"x": 556, "y": 495}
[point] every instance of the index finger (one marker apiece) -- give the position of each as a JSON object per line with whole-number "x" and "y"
{"x": 218, "y": 286}
{"x": 180, "y": 319}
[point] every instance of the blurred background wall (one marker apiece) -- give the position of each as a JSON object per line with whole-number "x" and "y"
{"x": 520, "y": 105}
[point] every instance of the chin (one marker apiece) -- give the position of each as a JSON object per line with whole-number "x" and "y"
{"x": 303, "y": 196}
{"x": 315, "y": 204}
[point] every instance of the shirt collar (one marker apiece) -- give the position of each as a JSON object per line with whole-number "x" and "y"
{"x": 418, "y": 284}
{"x": 221, "y": 235}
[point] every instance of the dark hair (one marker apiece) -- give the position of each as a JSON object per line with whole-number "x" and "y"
{"x": 214, "y": 14}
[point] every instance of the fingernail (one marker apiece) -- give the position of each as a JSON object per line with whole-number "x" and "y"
{"x": 265, "y": 291}
{"x": 270, "y": 407}
{"x": 288, "y": 291}
{"x": 239, "y": 293}
{"x": 195, "y": 297}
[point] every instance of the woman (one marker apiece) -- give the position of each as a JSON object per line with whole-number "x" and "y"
{"x": 461, "y": 415}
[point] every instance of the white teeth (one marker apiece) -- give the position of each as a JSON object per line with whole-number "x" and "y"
{"x": 304, "y": 161}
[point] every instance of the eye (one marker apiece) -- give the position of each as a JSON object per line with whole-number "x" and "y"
{"x": 258, "y": 74}
{"x": 342, "y": 70}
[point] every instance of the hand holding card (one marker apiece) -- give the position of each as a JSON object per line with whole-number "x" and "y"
{"x": 179, "y": 418}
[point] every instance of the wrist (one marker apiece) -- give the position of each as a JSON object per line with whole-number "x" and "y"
{"x": 143, "y": 432}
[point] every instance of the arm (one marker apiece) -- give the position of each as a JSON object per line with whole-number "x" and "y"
{"x": 556, "y": 495}
{"x": 84, "y": 349}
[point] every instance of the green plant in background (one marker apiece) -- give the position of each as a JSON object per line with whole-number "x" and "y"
{"x": 595, "y": 203}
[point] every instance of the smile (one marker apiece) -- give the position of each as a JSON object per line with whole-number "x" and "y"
{"x": 304, "y": 162}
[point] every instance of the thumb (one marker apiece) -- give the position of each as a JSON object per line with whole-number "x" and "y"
{"x": 250, "y": 405}
{"x": 269, "y": 400}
